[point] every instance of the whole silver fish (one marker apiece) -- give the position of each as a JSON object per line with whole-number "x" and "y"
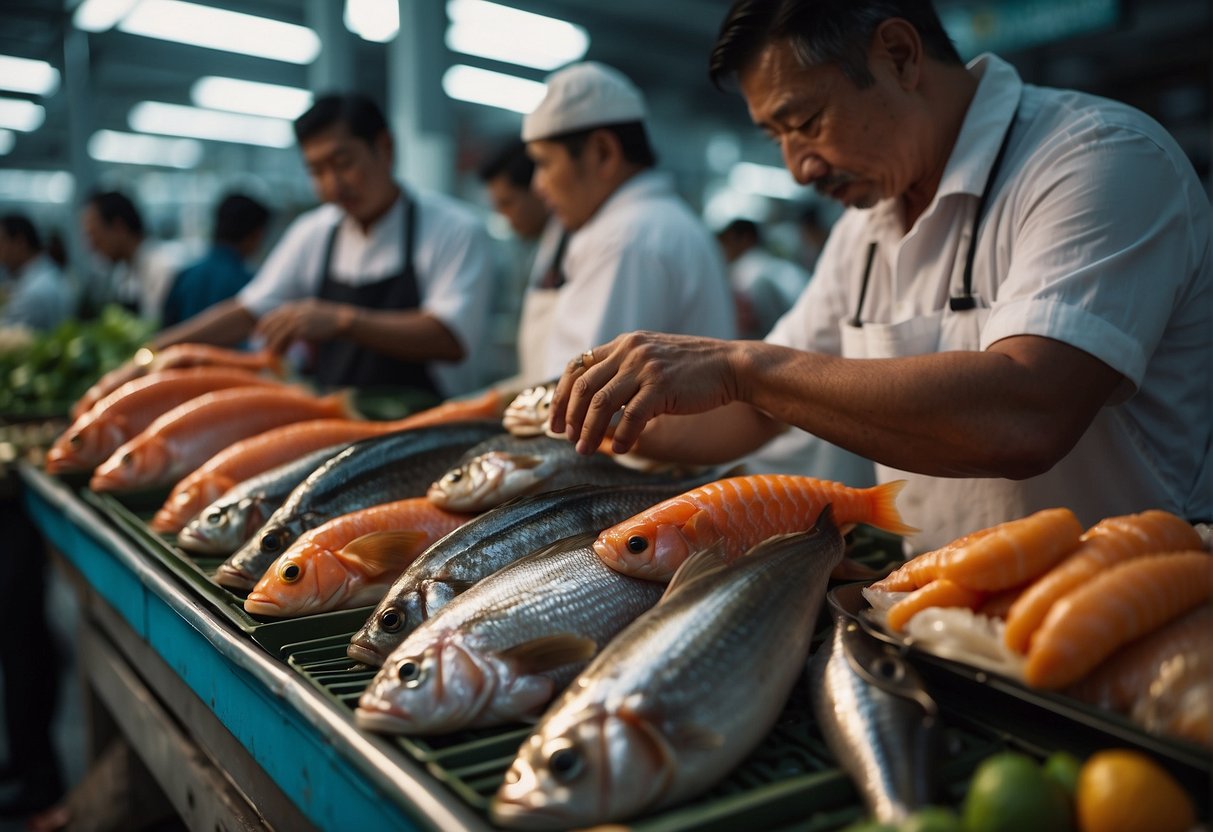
{"x": 491, "y": 541}
{"x": 223, "y": 526}
{"x": 502, "y": 650}
{"x": 371, "y": 471}
{"x": 682, "y": 695}
{"x": 877, "y": 718}
{"x": 511, "y": 467}
{"x": 527, "y": 413}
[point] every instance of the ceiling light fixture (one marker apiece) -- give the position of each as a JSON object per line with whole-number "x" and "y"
{"x": 101, "y": 15}
{"x": 24, "y": 75}
{"x": 139, "y": 149}
{"x": 36, "y": 186}
{"x": 7, "y": 139}
{"x": 493, "y": 89}
{"x": 763, "y": 180}
{"x": 490, "y": 30}
{"x": 230, "y": 31}
{"x": 19, "y": 114}
{"x": 252, "y": 97}
{"x": 374, "y": 20}
{"x": 195, "y": 123}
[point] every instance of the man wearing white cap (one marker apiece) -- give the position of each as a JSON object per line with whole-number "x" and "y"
{"x": 636, "y": 258}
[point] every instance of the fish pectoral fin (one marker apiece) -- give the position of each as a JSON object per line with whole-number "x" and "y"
{"x": 565, "y": 544}
{"x": 707, "y": 561}
{"x": 379, "y": 552}
{"x": 550, "y": 652}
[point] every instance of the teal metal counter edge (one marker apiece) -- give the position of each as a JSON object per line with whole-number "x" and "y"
{"x": 336, "y": 775}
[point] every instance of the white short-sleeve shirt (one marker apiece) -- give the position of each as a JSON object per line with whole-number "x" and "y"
{"x": 643, "y": 261}
{"x": 1097, "y": 234}
{"x": 452, "y": 258}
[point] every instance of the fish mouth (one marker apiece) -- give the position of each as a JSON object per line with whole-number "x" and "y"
{"x": 190, "y": 539}
{"x": 261, "y": 604}
{"x": 395, "y": 721}
{"x": 365, "y": 655}
{"x": 509, "y": 812}
{"x": 60, "y": 462}
{"x": 233, "y": 578}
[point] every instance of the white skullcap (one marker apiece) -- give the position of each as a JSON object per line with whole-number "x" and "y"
{"x": 582, "y": 96}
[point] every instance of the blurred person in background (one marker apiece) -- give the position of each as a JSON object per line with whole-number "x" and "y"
{"x": 507, "y": 177}
{"x": 389, "y": 285}
{"x": 764, "y": 284}
{"x": 40, "y": 297}
{"x": 636, "y": 257}
{"x": 141, "y": 270}
{"x": 239, "y": 231}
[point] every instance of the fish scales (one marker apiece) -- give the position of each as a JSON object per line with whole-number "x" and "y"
{"x": 368, "y": 472}
{"x": 491, "y": 541}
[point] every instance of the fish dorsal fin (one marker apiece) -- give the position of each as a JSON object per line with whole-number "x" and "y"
{"x": 565, "y": 544}
{"x": 381, "y": 551}
{"x": 550, "y": 652}
{"x": 705, "y": 562}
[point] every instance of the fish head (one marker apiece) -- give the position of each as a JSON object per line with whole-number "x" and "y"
{"x": 434, "y": 683}
{"x": 302, "y": 579}
{"x": 487, "y": 481}
{"x": 85, "y": 444}
{"x": 219, "y": 527}
{"x": 582, "y": 767}
{"x": 145, "y": 460}
{"x": 528, "y": 413}
{"x": 182, "y": 506}
{"x": 655, "y": 543}
{"x": 398, "y": 615}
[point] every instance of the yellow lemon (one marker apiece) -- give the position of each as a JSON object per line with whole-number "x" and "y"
{"x": 1124, "y": 791}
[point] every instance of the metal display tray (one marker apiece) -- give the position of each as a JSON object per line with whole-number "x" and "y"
{"x": 790, "y": 782}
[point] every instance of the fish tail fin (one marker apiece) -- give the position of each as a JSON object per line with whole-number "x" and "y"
{"x": 884, "y": 508}
{"x": 381, "y": 551}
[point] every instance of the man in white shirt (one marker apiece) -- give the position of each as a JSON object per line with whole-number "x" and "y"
{"x": 391, "y": 286}
{"x": 142, "y": 270}
{"x": 637, "y": 258}
{"x": 1014, "y": 312}
{"x": 40, "y": 298}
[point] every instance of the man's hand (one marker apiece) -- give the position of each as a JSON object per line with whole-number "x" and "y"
{"x": 644, "y": 374}
{"x": 307, "y": 320}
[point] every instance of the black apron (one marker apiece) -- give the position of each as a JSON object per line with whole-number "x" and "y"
{"x": 342, "y": 363}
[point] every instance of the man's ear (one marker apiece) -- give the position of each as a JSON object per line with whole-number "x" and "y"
{"x": 385, "y": 147}
{"x": 604, "y": 149}
{"x": 898, "y": 42}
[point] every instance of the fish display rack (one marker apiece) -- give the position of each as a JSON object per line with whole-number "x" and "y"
{"x": 790, "y": 782}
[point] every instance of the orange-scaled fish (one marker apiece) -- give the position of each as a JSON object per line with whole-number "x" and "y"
{"x": 125, "y": 412}
{"x": 743, "y": 512}
{"x": 351, "y": 560}
{"x": 191, "y": 433}
{"x": 174, "y": 357}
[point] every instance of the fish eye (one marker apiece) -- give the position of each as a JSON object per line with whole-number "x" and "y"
{"x": 565, "y": 763}
{"x": 127, "y": 460}
{"x": 75, "y": 440}
{"x": 270, "y": 542}
{"x": 391, "y": 620}
{"x": 290, "y": 572}
{"x": 454, "y": 476}
{"x": 887, "y": 668}
{"x": 215, "y": 517}
{"x": 410, "y": 673}
{"x": 637, "y": 544}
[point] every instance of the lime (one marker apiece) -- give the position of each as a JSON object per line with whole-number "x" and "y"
{"x": 1010, "y": 793}
{"x": 869, "y": 826}
{"x": 931, "y": 819}
{"x": 1062, "y": 768}
{"x": 1125, "y": 790}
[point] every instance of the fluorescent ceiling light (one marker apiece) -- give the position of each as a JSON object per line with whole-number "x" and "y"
{"x": 763, "y": 180}
{"x": 373, "y": 20}
{"x": 24, "y": 75}
{"x": 250, "y": 97}
{"x": 494, "y": 89}
{"x": 192, "y": 122}
{"x": 19, "y": 114}
{"x": 36, "y": 186}
{"x": 511, "y": 35}
{"x": 230, "y": 31}
{"x": 140, "y": 149}
{"x": 7, "y": 139}
{"x": 101, "y": 15}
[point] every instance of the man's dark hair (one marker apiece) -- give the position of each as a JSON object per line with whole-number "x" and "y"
{"x": 633, "y": 139}
{"x": 511, "y": 162}
{"x": 18, "y": 226}
{"x": 114, "y": 206}
{"x": 821, "y": 32}
{"x": 359, "y": 113}
{"x": 743, "y": 228}
{"x": 238, "y": 217}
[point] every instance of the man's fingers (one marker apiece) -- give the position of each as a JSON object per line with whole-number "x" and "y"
{"x": 642, "y": 407}
{"x": 601, "y": 407}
